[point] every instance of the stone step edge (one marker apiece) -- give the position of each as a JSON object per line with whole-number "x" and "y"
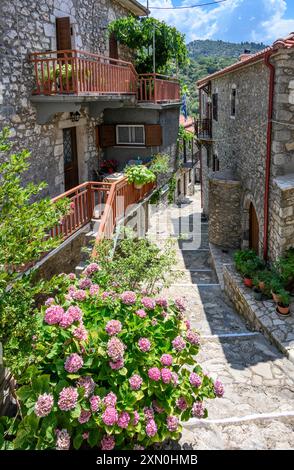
{"x": 238, "y": 420}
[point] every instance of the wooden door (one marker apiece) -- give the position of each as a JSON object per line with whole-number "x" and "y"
{"x": 63, "y": 33}
{"x": 253, "y": 229}
{"x": 70, "y": 155}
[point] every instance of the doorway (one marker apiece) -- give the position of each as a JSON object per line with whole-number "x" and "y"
{"x": 253, "y": 229}
{"x": 70, "y": 157}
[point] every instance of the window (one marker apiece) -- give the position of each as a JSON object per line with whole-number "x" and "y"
{"x": 190, "y": 176}
{"x": 233, "y": 101}
{"x": 215, "y": 106}
{"x": 130, "y": 135}
{"x": 215, "y": 163}
{"x": 208, "y": 153}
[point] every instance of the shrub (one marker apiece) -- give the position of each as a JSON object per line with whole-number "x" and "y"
{"x": 139, "y": 175}
{"x": 247, "y": 262}
{"x": 103, "y": 374}
{"x": 160, "y": 164}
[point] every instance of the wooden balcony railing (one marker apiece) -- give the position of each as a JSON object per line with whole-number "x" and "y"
{"x": 78, "y": 72}
{"x": 158, "y": 88}
{"x": 83, "y": 73}
{"x": 203, "y": 128}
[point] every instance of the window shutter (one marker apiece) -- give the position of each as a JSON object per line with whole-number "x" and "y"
{"x": 215, "y": 106}
{"x": 107, "y": 135}
{"x": 113, "y": 49}
{"x": 63, "y": 33}
{"x": 153, "y": 135}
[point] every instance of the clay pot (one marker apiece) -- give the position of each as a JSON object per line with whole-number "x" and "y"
{"x": 276, "y": 297}
{"x": 283, "y": 310}
{"x": 247, "y": 282}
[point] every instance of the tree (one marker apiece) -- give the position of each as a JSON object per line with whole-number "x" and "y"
{"x": 137, "y": 34}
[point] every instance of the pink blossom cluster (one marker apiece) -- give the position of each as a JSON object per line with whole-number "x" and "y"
{"x": 166, "y": 375}
{"x": 43, "y": 405}
{"x": 72, "y": 276}
{"x": 180, "y": 304}
{"x": 138, "y": 447}
{"x": 94, "y": 289}
{"x": 187, "y": 324}
{"x": 68, "y": 398}
{"x": 85, "y": 435}
{"x": 136, "y": 418}
{"x": 72, "y": 314}
{"x": 110, "y": 416}
{"x": 110, "y": 399}
{"x": 87, "y": 383}
{"x": 135, "y": 382}
{"x": 63, "y": 440}
{"x": 73, "y": 363}
{"x": 49, "y": 301}
{"x": 144, "y": 344}
{"x": 182, "y": 403}
{"x": 128, "y": 297}
{"x": 175, "y": 378}
{"x": 162, "y": 302}
{"x": 91, "y": 269}
{"x": 166, "y": 359}
{"x": 148, "y": 302}
{"x": 198, "y": 409}
{"x": 154, "y": 374}
{"x": 123, "y": 420}
{"x": 218, "y": 388}
{"x": 116, "y": 365}
{"x": 107, "y": 443}
{"x": 84, "y": 417}
{"x": 195, "y": 380}
{"x": 115, "y": 348}
{"x": 113, "y": 327}
{"x": 151, "y": 428}
{"x": 192, "y": 337}
{"x": 79, "y": 295}
{"x": 85, "y": 283}
{"x": 179, "y": 344}
{"x": 53, "y": 314}
{"x": 95, "y": 402}
{"x": 80, "y": 333}
{"x": 172, "y": 423}
{"x": 107, "y": 295}
{"x": 141, "y": 313}
{"x": 148, "y": 413}
{"x": 157, "y": 408}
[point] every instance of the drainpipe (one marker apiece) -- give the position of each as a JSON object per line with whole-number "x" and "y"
{"x": 268, "y": 152}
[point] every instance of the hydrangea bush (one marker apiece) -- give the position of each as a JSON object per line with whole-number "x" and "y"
{"x": 109, "y": 369}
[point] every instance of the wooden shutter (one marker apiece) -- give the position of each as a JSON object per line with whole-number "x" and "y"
{"x": 63, "y": 33}
{"x": 215, "y": 106}
{"x": 113, "y": 49}
{"x": 153, "y": 135}
{"x": 107, "y": 135}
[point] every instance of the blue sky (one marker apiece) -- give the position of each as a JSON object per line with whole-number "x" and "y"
{"x": 233, "y": 20}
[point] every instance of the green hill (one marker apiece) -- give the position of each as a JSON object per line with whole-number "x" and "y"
{"x": 207, "y": 57}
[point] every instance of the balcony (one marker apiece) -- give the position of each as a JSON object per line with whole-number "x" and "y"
{"x": 83, "y": 74}
{"x": 203, "y": 129}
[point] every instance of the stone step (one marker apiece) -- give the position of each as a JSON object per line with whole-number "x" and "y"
{"x": 95, "y": 224}
{"x": 80, "y": 268}
{"x": 196, "y": 277}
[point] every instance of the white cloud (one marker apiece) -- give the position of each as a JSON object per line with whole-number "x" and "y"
{"x": 276, "y": 26}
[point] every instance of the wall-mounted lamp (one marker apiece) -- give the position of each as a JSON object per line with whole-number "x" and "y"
{"x": 75, "y": 117}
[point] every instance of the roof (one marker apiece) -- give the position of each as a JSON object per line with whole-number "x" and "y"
{"x": 135, "y": 7}
{"x": 286, "y": 43}
{"x": 188, "y": 124}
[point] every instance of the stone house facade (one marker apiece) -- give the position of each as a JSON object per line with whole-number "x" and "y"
{"x": 246, "y": 133}
{"x": 60, "y": 127}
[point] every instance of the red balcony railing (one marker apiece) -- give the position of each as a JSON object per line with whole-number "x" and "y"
{"x": 79, "y": 72}
{"x": 83, "y": 73}
{"x": 203, "y": 128}
{"x": 158, "y": 88}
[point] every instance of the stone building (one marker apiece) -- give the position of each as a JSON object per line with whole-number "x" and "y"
{"x": 75, "y": 108}
{"x": 246, "y": 133}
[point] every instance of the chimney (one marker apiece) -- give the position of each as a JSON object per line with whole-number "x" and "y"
{"x": 246, "y": 55}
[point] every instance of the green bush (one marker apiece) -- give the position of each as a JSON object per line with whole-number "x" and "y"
{"x": 139, "y": 175}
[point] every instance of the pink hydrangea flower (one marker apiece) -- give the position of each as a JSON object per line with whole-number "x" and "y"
{"x": 164, "y": 314}
{"x": 123, "y": 420}
{"x": 138, "y": 447}
{"x": 179, "y": 344}
{"x": 91, "y": 269}
{"x": 162, "y": 302}
{"x": 198, "y": 410}
{"x": 175, "y": 378}
{"x": 157, "y": 408}
{"x": 148, "y": 413}
{"x": 79, "y": 295}
{"x": 49, "y": 302}
{"x": 149, "y": 303}
{"x": 43, "y": 405}
{"x": 110, "y": 416}
{"x": 144, "y": 344}
{"x": 192, "y": 337}
{"x": 107, "y": 443}
{"x": 53, "y": 314}
{"x": 151, "y": 428}
{"x": 154, "y": 374}
{"x": 72, "y": 276}
{"x": 182, "y": 404}
{"x": 95, "y": 402}
{"x": 85, "y": 435}
{"x": 172, "y": 423}
{"x": 113, "y": 327}
{"x": 75, "y": 313}
{"x": 166, "y": 375}
{"x": 110, "y": 399}
{"x": 68, "y": 398}
{"x": 73, "y": 363}
{"x": 153, "y": 322}
{"x": 85, "y": 283}
{"x": 195, "y": 380}
{"x": 80, "y": 333}
{"x": 63, "y": 440}
{"x": 88, "y": 384}
{"x": 136, "y": 418}
{"x": 166, "y": 360}
{"x": 187, "y": 324}
{"x": 128, "y": 297}
{"x": 84, "y": 417}
{"x": 180, "y": 304}
{"x": 135, "y": 382}
{"x": 117, "y": 364}
{"x": 219, "y": 388}
{"x": 115, "y": 349}
{"x": 141, "y": 313}
{"x": 66, "y": 320}
{"x": 94, "y": 289}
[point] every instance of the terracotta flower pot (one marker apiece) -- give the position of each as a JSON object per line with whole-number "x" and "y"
{"x": 283, "y": 310}
{"x": 247, "y": 282}
{"x": 276, "y": 297}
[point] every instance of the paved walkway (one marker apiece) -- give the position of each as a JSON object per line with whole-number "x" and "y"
{"x": 257, "y": 410}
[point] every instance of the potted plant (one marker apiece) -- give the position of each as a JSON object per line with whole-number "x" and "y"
{"x": 257, "y": 292}
{"x": 283, "y": 306}
{"x": 139, "y": 175}
{"x": 109, "y": 166}
{"x": 276, "y": 286}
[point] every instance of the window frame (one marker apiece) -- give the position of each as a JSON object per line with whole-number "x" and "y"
{"x": 233, "y": 100}
{"x": 215, "y": 106}
{"x": 131, "y": 130}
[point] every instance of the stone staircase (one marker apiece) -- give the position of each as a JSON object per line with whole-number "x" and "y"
{"x": 90, "y": 238}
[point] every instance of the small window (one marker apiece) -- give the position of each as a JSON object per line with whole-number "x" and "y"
{"x": 190, "y": 176}
{"x": 215, "y": 106}
{"x": 215, "y": 163}
{"x": 130, "y": 135}
{"x": 233, "y": 102}
{"x": 208, "y": 153}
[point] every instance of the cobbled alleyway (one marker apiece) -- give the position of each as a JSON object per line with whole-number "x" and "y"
{"x": 257, "y": 410}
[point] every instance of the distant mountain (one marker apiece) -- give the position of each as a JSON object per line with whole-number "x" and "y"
{"x": 207, "y": 57}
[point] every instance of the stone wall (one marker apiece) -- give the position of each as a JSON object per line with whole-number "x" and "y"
{"x": 29, "y": 26}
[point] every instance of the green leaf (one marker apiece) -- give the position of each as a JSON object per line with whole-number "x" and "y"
{"x": 77, "y": 442}
{"x": 76, "y": 412}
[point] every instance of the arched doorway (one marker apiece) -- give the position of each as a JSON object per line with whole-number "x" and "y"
{"x": 253, "y": 229}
